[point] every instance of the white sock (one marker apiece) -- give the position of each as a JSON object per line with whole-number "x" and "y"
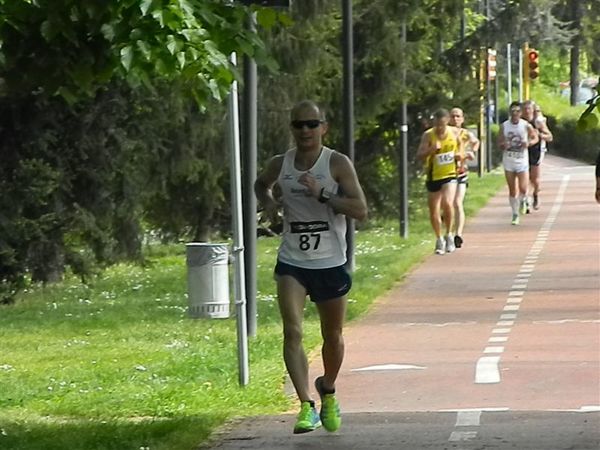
{"x": 514, "y": 204}
{"x": 523, "y": 198}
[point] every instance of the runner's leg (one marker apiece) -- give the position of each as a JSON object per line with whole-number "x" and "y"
{"x": 434, "y": 200}
{"x": 511, "y": 181}
{"x": 448, "y": 195}
{"x": 332, "y": 314}
{"x": 292, "y": 298}
{"x": 459, "y": 199}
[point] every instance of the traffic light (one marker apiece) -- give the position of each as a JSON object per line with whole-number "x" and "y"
{"x": 533, "y": 63}
{"x": 491, "y": 64}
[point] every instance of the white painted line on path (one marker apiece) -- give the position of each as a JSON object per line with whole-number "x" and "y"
{"x": 493, "y": 350}
{"x": 468, "y": 418}
{"x": 500, "y": 330}
{"x": 388, "y": 367}
{"x": 458, "y": 436}
{"x": 487, "y": 371}
{"x": 511, "y": 307}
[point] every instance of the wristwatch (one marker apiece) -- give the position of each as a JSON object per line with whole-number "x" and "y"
{"x": 324, "y": 196}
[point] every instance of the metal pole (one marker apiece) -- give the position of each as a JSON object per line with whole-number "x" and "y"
{"x": 488, "y": 116}
{"x": 249, "y": 176}
{"x": 483, "y": 148}
{"x": 348, "y": 113}
{"x": 488, "y": 119}
{"x": 525, "y": 72}
{"x": 509, "y": 74}
{"x": 496, "y": 105}
{"x": 238, "y": 233}
{"x": 404, "y": 152}
{"x": 520, "y": 76}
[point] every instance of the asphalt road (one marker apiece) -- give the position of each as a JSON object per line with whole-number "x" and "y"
{"x": 496, "y": 346}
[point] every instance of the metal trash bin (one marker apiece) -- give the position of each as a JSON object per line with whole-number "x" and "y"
{"x": 208, "y": 280}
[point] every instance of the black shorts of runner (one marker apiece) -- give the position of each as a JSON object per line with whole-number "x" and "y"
{"x": 436, "y": 186}
{"x": 535, "y": 156}
{"x": 320, "y": 284}
{"x": 463, "y": 179}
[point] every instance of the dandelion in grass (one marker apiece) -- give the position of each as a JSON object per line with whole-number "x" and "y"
{"x": 177, "y": 344}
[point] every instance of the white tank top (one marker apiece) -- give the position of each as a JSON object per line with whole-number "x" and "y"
{"x": 314, "y": 236}
{"x": 516, "y": 134}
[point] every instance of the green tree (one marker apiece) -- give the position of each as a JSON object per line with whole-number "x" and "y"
{"x": 71, "y": 47}
{"x": 80, "y": 175}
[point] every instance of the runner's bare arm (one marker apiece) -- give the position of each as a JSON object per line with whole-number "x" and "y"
{"x": 474, "y": 141}
{"x": 425, "y": 148}
{"x": 263, "y": 186}
{"x": 460, "y": 146}
{"x": 502, "y": 138}
{"x": 545, "y": 132}
{"x": 533, "y": 136}
{"x": 352, "y": 201}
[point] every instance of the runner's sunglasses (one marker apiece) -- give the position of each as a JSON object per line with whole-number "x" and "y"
{"x": 312, "y": 123}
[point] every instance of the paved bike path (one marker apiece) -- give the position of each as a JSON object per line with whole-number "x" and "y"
{"x": 494, "y": 346}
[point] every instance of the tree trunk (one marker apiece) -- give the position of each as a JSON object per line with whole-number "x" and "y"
{"x": 128, "y": 237}
{"x": 576, "y": 15}
{"x": 46, "y": 261}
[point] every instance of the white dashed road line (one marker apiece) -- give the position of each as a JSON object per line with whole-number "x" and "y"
{"x": 486, "y": 368}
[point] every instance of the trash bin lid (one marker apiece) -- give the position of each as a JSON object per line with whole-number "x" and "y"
{"x": 203, "y": 253}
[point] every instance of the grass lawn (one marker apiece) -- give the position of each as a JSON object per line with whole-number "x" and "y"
{"x": 117, "y": 364}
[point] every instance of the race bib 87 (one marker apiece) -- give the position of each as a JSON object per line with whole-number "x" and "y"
{"x": 312, "y": 239}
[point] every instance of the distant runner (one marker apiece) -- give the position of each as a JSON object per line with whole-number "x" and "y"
{"x": 531, "y": 112}
{"x": 441, "y": 150}
{"x": 470, "y": 145}
{"x": 515, "y": 136}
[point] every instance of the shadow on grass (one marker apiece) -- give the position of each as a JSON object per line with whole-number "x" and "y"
{"x": 179, "y": 433}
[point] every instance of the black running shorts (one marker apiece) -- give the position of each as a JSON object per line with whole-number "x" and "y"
{"x": 320, "y": 284}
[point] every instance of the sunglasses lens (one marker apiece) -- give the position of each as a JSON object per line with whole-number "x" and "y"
{"x": 299, "y": 124}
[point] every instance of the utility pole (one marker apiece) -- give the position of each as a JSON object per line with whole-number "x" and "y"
{"x": 238, "y": 233}
{"x": 249, "y": 155}
{"x": 348, "y": 113}
{"x": 509, "y": 74}
{"x": 483, "y": 148}
{"x": 403, "y": 160}
{"x": 525, "y": 72}
{"x": 488, "y": 115}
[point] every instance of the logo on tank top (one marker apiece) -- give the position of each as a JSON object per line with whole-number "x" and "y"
{"x": 305, "y": 192}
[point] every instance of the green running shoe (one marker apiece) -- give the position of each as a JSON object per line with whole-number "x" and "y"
{"x": 330, "y": 408}
{"x": 524, "y": 207}
{"x": 308, "y": 419}
{"x": 515, "y": 219}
